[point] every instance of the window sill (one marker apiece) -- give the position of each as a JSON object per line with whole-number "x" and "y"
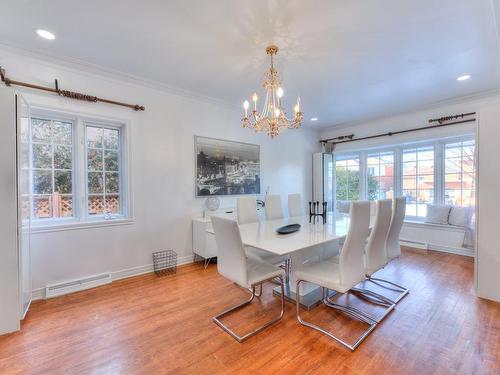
{"x": 76, "y": 225}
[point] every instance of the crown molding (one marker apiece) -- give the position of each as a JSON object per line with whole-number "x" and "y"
{"x": 82, "y": 67}
{"x": 481, "y": 95}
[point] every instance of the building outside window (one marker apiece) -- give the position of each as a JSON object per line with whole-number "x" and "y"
{"x": 380, "y": 175}
{"x": 418, "y": 179}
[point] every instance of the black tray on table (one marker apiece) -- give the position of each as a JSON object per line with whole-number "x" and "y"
{"x": 287, "y": 229}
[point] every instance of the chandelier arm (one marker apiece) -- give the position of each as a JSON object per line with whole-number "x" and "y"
{"x": 273, "y": 117}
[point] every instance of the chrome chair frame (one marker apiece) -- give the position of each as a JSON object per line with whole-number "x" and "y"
{"x": 377, "y": 299}
{"x": 216, "y": 319}
{"x": 345, "y": 309}
{"x": 399, "y": 288}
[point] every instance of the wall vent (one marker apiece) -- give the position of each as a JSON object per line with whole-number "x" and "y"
{"x": 77, "y": 285}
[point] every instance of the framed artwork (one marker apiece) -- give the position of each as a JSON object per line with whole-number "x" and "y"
{"x": 226, "y": 167}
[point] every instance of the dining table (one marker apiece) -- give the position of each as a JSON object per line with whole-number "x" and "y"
{"x": 312, "y": 240}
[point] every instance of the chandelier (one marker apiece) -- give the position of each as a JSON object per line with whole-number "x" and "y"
{"x": 273, "y": 117}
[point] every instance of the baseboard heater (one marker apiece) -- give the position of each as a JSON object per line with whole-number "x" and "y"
{"x": 77, "y": 285}
{"x": 416, "y": 244}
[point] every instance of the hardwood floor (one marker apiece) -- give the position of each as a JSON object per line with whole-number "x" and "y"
{"x": 163, "y": 325}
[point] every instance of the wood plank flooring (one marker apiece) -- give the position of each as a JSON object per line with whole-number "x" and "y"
{"x": 151, "y": 325}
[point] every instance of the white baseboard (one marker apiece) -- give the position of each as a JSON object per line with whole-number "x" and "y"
{"x": 436, "y": 247}
{"x": 452, "y": 250}
{"x": 38, "y": 294}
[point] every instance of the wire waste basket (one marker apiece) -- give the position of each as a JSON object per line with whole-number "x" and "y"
{"x": 165, "y": 262}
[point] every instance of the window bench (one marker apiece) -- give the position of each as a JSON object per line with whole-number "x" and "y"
{"x": 438, "y": 237}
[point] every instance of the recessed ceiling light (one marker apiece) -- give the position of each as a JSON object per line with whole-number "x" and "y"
{"x": 465, "y": 77}
{"x": 45, "y": 34}
{"x": 314, "y": 119}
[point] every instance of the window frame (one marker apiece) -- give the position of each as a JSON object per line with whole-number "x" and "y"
{"x": 394, "y": 170}
{"x": 80, "y": 218}
{"x": 461, "y": 173}
{"x": 348, "y": 156}
{"x": 54, "y": 116}
{"x": 122, "y": 176}
{"x": 435, "y": 161}
{"x": 439, "y": 145}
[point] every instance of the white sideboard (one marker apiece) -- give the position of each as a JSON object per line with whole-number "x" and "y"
{"x": 204, "y": 242}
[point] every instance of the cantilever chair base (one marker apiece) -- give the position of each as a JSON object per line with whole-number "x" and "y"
{"x": 397, "y": 288}
{"x": 377, "y": 299}
{"x": 347, "y": 310}
{"x": 216, "y": 319}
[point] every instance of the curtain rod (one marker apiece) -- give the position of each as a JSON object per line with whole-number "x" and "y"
{"x": 67, "y": 93}
{"x": 350, "y": 137}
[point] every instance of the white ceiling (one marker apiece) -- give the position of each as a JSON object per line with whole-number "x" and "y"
{"x": 348, "y": 60}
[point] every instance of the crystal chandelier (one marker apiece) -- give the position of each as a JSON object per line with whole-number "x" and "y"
{"x": 273, "y": 117}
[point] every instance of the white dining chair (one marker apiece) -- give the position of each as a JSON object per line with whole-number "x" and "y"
{"x": 376, "y": 255}
{"x": 273, "y": 207}
{"x": 393, "y": 247}
{"x": 375, "y": 252}
{"x": 295, "y": 206}
{"x": 246, "y": 212}
{"x": 343, "y": 276}
{"x": 397, "y": 220}
{"x": 233, "y": 264}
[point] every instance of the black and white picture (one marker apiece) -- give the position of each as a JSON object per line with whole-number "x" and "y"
{"x": 226, "y": 167}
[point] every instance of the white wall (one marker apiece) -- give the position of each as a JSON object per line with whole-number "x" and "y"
{"x": 488, "y": 238}
{"x": 9, "y": 282}
{"x": 162, "y": 162}
{"x": 488, "y": 181}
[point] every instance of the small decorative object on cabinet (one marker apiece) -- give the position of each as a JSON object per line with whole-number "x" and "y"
{"x": 165, "y": 262}
{"x": 212, "y": 203}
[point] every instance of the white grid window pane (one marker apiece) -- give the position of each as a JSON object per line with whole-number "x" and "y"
{"x": 459, "y": 174}
{"x": 347, "y": 178}
{"x": 51, "y": 168}
{"x": 103, "y": 150}
{"x": 418, "y": 179}
{"x": 380, "y": 175}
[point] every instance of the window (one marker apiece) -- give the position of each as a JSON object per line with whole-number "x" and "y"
{"x": 418, "y": 179}
{"x": 459, "y": 173}
{"x": 432, "y": 172}
{"x": 103, "y": 170}
{"x": 76, "y": 169}
{"x": 380, "y": 175}
{"x": 347, "y": 178}
{"x": 51, "y": 168}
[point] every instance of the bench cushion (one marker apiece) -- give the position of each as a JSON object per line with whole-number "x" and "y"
{"x": 459, "y": 216}
{"x": 437, "y": 214}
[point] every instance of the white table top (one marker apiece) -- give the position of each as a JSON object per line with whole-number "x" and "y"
{"x": 262, "y": 235}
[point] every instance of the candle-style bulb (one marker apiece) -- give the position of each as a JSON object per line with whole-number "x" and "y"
{"x": 279, "y": 92}
{"x": 246, "y": 104}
